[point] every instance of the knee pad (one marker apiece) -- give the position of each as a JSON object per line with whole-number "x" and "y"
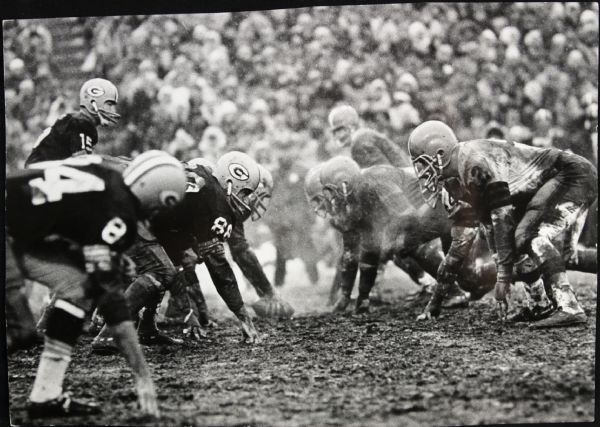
{"x": 65, "y": 322}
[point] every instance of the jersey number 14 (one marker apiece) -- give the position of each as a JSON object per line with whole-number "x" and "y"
{"x": 61, "y": 180}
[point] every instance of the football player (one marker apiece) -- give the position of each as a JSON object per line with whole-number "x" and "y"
{"x": 532, "y": 201}
{"x": 79, "y": 259}
{"x": 202, "y": 223}
{"x": 375, "y": 203}
{"x": 347, "y": 264}
{"x": 76, "y": 133}
{"x": 366, "y": 146}
{"x": 369, "y": 148}
{"x": 269, "y": 304}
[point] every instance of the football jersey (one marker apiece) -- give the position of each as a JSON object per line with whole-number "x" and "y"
{"x": 203, "y": 215}
{"x": 524, "y": 168}
{"x": 70, "y": 134}
{"x": 369, "y": 148}
{"x": 79, "y": 198}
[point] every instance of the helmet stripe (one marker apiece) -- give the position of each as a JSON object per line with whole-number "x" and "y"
{"x": 134, "y": 172}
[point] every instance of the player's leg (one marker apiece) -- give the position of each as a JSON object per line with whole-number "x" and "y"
{"x": 68, "y": 279}
{"x": 281, "y": 256}
{"x": 550, "y": 217}
{"x": 154, "y": 270}
{"x": 20, "y": 325}
{"x": 152, "y": 262}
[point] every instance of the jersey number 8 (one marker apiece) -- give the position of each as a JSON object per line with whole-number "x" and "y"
{"x": 221, "y": 228}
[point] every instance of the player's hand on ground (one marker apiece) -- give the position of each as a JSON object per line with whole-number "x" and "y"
{"x": 249, "y": 332}
{"x": 147, "y": 396}
{"x": 431, "y": 312}
{"x": 501, "y": 291}
{"x": 341, "y": 304}
{"x": 193, "y": 330}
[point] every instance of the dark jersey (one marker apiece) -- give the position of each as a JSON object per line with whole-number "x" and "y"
{"x": 204, "y": 214}
{"x": 79, "y": 198}
{"x": 70, "y": 134}
{"x": 371, "y": 148}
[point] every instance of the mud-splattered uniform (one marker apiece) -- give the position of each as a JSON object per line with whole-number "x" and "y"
{"x": 530, "y": 200}
{"x": 73, "y": 133}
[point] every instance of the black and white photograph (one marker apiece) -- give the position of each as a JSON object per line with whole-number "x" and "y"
{"x": 300, "y": 215}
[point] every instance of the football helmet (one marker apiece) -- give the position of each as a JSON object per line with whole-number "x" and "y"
{"x": 336, "y": 176}
{"x": 99, "y": 97}
{"x": 430, "y": 146}
{"x": 157, "y": 180}
{"x": 264, "y": 192}
{"x": 239, "y": 175}
{"x": 313, "y": 189}
{"x": 343, "y": 120}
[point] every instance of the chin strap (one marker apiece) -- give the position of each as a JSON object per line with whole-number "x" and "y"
{"x": 106, "y": 118}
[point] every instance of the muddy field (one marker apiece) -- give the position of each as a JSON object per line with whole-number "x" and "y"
{"x": 381, "y": 368}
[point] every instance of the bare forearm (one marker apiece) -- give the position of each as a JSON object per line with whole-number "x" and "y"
{"x": 125, "y": 337}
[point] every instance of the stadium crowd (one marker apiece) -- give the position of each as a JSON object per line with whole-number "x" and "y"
{"x": 201, "y": 84}
{"x": 263, "y": 82}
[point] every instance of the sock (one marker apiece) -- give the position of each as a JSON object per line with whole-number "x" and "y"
{"x": 54, "y": 362}
{"x": 564, "y": 295}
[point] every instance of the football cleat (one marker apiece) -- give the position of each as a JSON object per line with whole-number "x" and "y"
{"x": 526, "y": 314}
{"x": 560, "y": 319}
{"x": 105, "y": 346}
{"x": 62, "y": 406}
{"x": 157, "y": 337}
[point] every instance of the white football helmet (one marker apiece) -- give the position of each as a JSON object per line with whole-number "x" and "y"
{"x": 157, "y": 179}
{"x": 337, "y": 176}
{"x": 343, "y": 120}
{"x": 239, "y": 175}
{"x": 430, "y": 146}
{"x": 100, "y": 97}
